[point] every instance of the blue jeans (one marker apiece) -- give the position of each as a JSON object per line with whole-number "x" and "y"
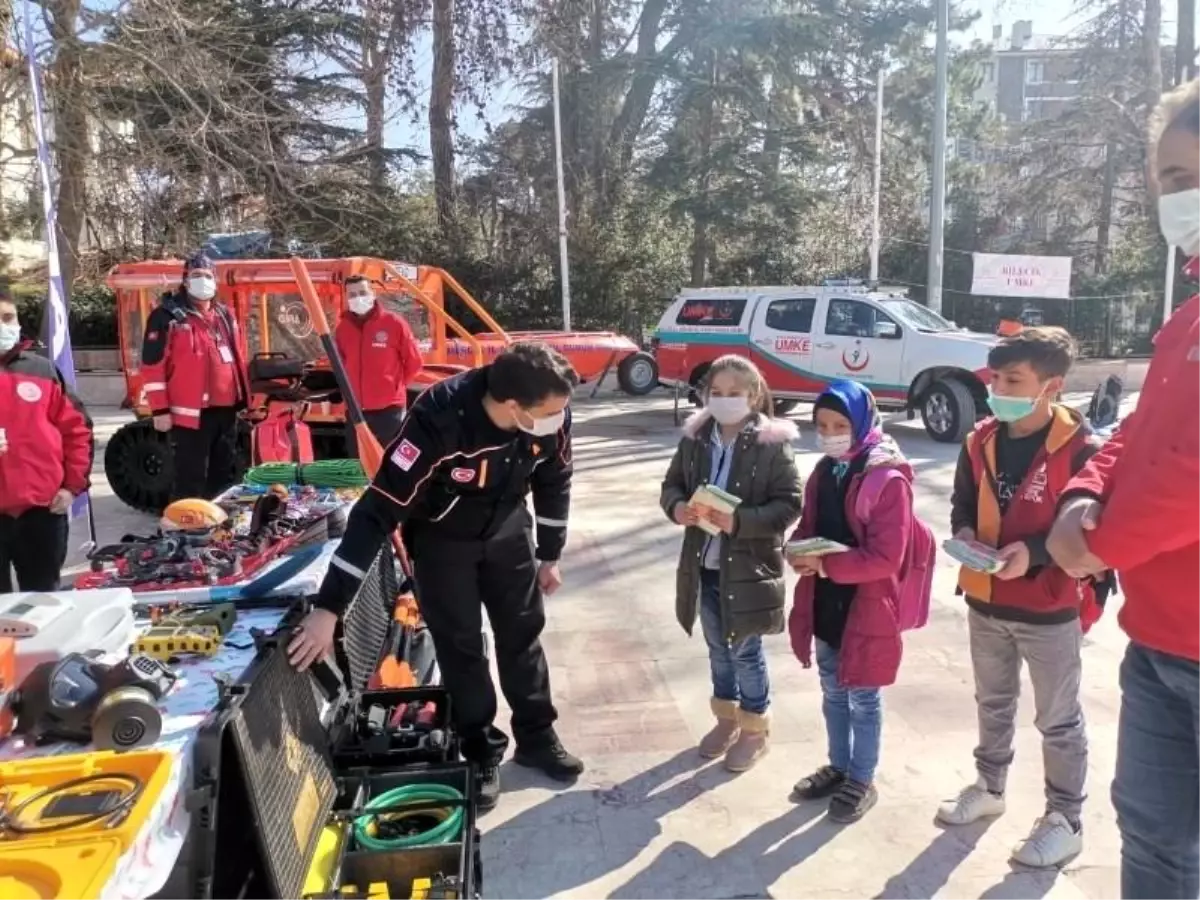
{"x": 739, "y": 671}
{"x": 1156, "y": 791}
{"x": 852, "y": 720}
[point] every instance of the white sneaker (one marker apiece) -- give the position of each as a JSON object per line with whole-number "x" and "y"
{"x": 1051, "y": 843}
{"x": 973, "y": 803}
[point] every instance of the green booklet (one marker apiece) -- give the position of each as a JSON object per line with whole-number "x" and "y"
{"x": 813, "y": 546}
{"x": 713, "y": 497}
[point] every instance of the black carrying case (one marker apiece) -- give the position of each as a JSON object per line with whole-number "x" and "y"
{"x": 353, "y": 749}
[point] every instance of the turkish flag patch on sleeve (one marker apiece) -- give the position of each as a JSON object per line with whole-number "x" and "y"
{"x": 405, "y": 454}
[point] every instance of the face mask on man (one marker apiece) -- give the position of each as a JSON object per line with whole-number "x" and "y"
{"x": 1011, "y": 409}
{"x": 10, "y": 333}
{"x": 835, "y": 446}
{"x": 541, "y": 427}
{"x": 201, "y": 287}
{"x": 360, "y": 304}
{"x": 1179, "y": 220}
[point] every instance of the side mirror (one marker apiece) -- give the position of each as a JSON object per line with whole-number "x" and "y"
{"x": 887, "y": 330}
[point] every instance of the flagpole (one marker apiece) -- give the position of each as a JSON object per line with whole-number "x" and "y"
{"x": 56, "y": 327}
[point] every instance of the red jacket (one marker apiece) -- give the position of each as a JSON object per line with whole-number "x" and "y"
{"x": 381, "y": 357}
{"x": 871, "y": 645}
{"x": 183, "y": 355}
{"x": 48, "y": 431}
{"x": 1046, "y": 589}
{"x": 1146, "y": 476}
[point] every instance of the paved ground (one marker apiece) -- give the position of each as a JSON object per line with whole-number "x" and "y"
{"x": 649, "y": 819}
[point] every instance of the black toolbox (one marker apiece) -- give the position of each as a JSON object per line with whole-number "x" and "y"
{"x": 357, "y": 742}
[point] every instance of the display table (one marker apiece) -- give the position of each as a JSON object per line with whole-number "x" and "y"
{"x": 151, "y": 862}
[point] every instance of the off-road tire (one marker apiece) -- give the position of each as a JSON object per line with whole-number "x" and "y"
{"x": 637, "y": 374}
{"x": 139, "y": 467}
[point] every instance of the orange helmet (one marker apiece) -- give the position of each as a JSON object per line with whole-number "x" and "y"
{"x": 192, "y": 514}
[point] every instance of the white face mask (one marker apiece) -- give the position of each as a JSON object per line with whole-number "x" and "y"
{"x": 728, "y": 410}
{"x": 10, "y": 333}
{"x": 1179, "y": 220}
{"x": 541, "y": 427}
{"x": 835, "y": 445}
{"x": 360, "y": 304}
{"x": 202, "y": 287}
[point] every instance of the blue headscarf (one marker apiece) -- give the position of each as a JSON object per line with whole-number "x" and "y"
{"x": 855, "y": 402}
{"x": 852, "y": 400}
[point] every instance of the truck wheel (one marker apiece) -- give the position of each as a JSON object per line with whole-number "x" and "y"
{"x": 138, "y": 466}
{"x": 637, "y": 374}
{"x": 948, "y": 411}
{"x": 783, "y": 407}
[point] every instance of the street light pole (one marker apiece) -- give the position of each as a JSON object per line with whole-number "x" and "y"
{"x": 878, "y": 177}
{"x": 563, "y": 263}
{"x": 937, "y": 194}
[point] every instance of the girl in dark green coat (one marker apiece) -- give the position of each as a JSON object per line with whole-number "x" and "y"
{"x": 734, "y": 579}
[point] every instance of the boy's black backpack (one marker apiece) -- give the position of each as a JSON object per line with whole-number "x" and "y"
{"x": 1106, "y": 403}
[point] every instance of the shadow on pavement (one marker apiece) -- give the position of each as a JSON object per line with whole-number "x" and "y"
{"x": 743, "y": 870}
{"x": 932, "y": 867}
{"x": 620, "y": 820}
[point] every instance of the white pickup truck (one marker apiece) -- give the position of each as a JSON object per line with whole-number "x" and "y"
{"x": 805, "y": 337}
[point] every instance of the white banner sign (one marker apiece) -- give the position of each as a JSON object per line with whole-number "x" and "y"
{"x": 1002, "y": 275}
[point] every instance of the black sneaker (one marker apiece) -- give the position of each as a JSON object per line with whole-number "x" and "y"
{"x": 852, "y": 801}
{"x": 552, "y": 759}
{"x": 820, "y": 784}
{"x": 489, "y": 788}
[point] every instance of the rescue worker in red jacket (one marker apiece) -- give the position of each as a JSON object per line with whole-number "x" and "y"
{"x": 1134, "y": 508}
{"x": 382, "y": 358}
{"x": 196, "y": 381}
{"x": 45, "y": 461}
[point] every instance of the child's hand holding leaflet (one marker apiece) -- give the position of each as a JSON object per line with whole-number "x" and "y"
{"x": 710, "y": 497}
{"x": 975, "y": 555}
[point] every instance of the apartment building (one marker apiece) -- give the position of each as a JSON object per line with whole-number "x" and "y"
{"x": 1028, "y": 77}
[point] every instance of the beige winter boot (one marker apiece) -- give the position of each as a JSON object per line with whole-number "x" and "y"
{"x": 724, "y": 733}
{"x": 751, "y": 742}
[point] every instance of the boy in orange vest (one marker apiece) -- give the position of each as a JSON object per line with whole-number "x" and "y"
{"x": 1011, "y": 471}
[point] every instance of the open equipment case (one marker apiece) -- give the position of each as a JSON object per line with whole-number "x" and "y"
{"x": 268, "y": 780}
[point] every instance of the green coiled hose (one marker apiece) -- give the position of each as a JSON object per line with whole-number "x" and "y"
{"x": 446, "y": 831}
{"x": 324, "y": 473}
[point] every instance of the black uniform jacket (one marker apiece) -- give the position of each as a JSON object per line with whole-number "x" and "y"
{"x": 452, "y": 473}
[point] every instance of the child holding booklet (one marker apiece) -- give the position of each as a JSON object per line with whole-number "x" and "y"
{"x": 849, "y": 600}
{"x": 734, "y": 578}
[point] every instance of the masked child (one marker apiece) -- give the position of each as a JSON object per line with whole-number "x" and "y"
{"x": 848, "y": 600}
{"x": 1011, "y": 472}
{"x": 735, "y": 580}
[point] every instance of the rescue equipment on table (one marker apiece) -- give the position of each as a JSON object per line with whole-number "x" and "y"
{"x": 81, "y": 699}
{"x": 49, "y": 626}
{"x": 287, "y": 386}
{"x": 177, "y": 630}
{"x": 414, "y": 815}
{"x": 67, "y": 820}
{"x": 325, "y": 473}
{"x": 227, "y": 550}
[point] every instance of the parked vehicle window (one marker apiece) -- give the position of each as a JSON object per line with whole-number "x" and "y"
{"x": 853, "y": 318}
{"x": 715, "y": 311}
{"x": 793, "y": 314}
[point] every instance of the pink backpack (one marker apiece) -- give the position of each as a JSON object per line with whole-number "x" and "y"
{"x": 915, "y": 579}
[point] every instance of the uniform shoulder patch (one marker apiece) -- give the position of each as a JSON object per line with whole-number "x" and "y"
{"x": 405, "y": 455}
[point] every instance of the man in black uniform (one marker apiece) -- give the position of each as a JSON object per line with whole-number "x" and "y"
{"x": 455, "y": 478}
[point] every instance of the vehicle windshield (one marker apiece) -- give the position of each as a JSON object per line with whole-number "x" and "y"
{"x": 914, "y": 315}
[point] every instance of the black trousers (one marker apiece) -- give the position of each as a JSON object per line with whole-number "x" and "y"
{"x": 205, "y": 457}
{"x": 455, "y": 581}
{"x": 384, "y": 424}
{"x": 35, "y": 545}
